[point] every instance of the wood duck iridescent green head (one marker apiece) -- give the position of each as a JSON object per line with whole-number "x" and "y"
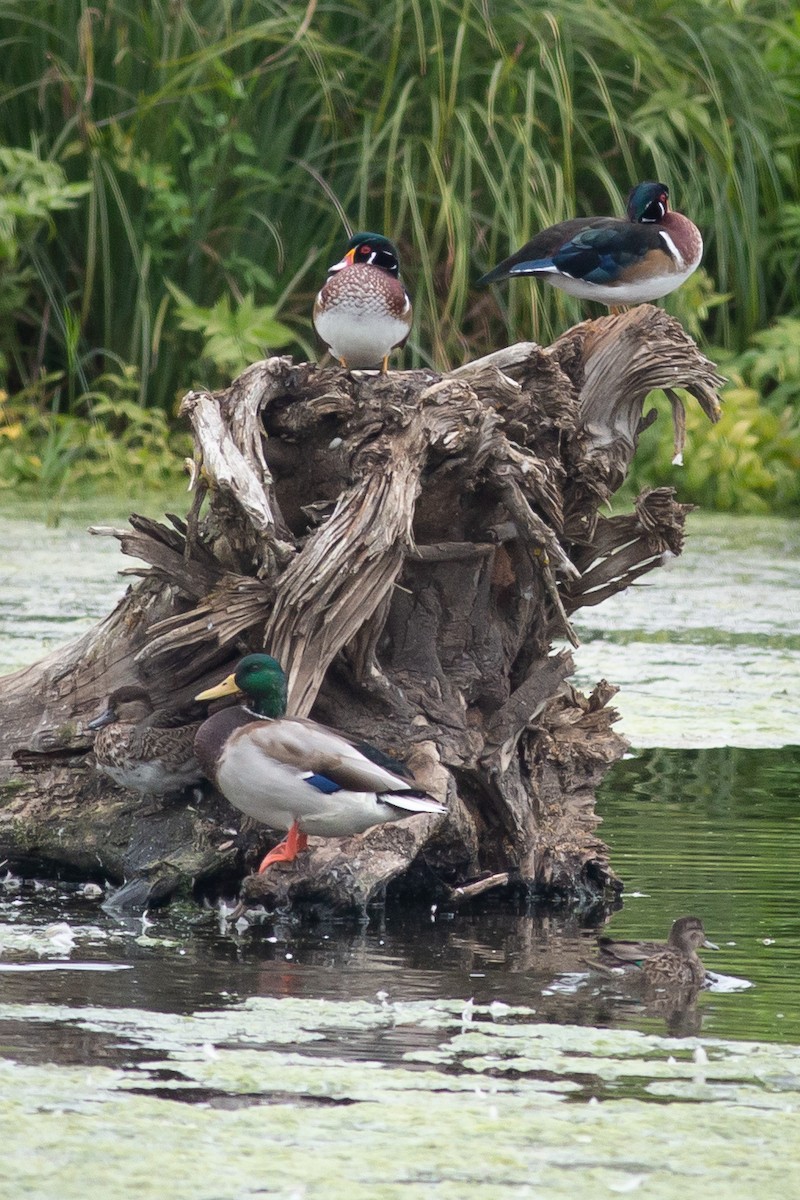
{"x": 615, "y": 261}
{"x": 363, "y": 312}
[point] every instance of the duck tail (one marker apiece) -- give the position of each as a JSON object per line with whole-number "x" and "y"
{"x": 413, "y": 802}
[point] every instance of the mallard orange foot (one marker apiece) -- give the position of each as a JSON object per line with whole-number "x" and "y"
{"x": 287, "y": 850}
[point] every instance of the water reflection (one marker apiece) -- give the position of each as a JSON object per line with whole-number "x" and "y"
{"x": 715, "y": 833}
{"x": 701, "y": 658}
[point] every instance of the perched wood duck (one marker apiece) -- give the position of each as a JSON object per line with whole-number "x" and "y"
{"x": 674, "y": 962}
{"x": 615, "y": 261}
{"x": 292, "y": 773}
{"x": 139, "y": 749}
{"x": 363, "y": 312}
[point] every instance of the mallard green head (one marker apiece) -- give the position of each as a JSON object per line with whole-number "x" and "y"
{"x": 260, "y": 677}
{"x": 370, "y": 249}
{"x": 648, "y": 203}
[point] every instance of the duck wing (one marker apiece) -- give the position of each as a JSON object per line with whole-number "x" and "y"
{"x": 539, "y": 253}
{"x": 629, "y": 952}
{"x": 326, "y": 759}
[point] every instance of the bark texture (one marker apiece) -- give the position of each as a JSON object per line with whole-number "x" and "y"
{"x": 409, "y": 547}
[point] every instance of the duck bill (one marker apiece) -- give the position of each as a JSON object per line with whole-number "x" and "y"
{"x": 228, "y": 687}
{"x": 347, "y": 261}
{"x": 710, "y": 945}
{"x": 105, "y": 718}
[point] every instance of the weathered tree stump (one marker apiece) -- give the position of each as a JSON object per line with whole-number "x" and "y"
{"x": 409, "y": 546}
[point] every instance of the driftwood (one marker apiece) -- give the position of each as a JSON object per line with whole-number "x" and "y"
{"x": 409, "y": 546}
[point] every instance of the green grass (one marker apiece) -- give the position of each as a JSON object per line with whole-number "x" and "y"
{"x": 222, "y": 147}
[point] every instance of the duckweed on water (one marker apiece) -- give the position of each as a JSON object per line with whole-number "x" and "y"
{"x": 500, "y": 1102}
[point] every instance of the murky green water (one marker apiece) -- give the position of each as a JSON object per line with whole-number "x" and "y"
{"x": 706, "y": 651}
{"x": 396, "y": 1082}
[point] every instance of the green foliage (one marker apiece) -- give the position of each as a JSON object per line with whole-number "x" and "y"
{"x": 233, "y": 337}
{"x": 32, "y": 190}
{"x": 217, "y": 152}
{"x": 750, "y": 460}
{"x": 109, "y": 443}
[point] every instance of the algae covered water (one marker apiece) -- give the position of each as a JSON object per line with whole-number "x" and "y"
{"x": 432, "y": 1053}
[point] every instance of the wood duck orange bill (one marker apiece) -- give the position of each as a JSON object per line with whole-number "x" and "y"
{"x": 363, "y": 312}
{"x": 640, "y": 258}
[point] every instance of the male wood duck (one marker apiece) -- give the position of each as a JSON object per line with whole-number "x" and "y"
{"x": 142, "y": 749}
{"x": 292, "y": 773}
{"x": 618, "y": 262}
{"x": 363, "y": 312}
{"x": 661, "y": 964}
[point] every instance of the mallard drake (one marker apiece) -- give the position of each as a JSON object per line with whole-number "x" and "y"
{"x": 616, "y": 261}
{"x": 143, "y": 749}
{"x": 292, "y": 773}
{"x": 662, "y": 963}
{"x": 363, "y": 312}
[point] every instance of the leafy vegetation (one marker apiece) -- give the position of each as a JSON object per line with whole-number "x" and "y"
{"x": 195, "y": 167}
{"x": 108, "y": 441}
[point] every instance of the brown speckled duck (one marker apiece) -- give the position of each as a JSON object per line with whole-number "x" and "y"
{"x": 363, "y": 312}
{"x": 663, "y": 964}
{"x": 140, "y": 749}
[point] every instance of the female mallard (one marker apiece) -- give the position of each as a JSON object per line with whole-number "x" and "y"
{"x": 661, "y": 963}
{"x": 292, "y": 773}
{"x": 641, "y": 257}
{"x": 143, "y": 749}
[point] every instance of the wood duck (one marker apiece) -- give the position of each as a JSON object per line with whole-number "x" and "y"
{"x": 292, "y": 773}
{"x": 674, "y": 962}
{"x": 618, "y": 262}
{"x": 143, "y": 749}
{"x": 363, "y": 312}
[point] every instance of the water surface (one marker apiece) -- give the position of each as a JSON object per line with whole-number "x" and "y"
{"x": 711, "y": 830}
{"x": 443, "y": 1054}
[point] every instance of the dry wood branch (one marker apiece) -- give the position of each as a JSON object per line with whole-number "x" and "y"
{"x": 469, "y": 891}
{"x": 617, "y": 362}
{"x": 407, "y": 545}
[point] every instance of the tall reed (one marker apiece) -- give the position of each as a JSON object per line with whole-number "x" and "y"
{"x": 220, "y": 141}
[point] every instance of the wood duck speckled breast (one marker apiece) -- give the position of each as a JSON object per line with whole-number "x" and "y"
{"x": 615, "y": 261}
{"x": 363, "y": 312}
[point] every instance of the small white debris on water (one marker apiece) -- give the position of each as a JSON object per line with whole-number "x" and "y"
{"x": 61, "y": 937}
{"x": 335, "y": 443}
{"x": 700, "y": 1056}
